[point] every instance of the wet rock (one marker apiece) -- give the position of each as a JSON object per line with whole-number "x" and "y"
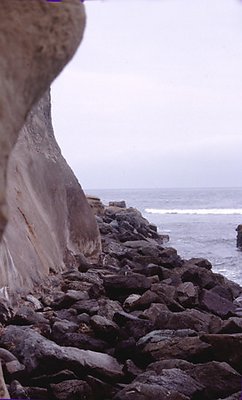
{"x": 118, "y": 285}
{"x": 216, "y": 304}
{"x": 40, "y": 354}
{"x": 200, "y": 262}
{"x": 239, "y": 236}
{"x": 73, "y": 389}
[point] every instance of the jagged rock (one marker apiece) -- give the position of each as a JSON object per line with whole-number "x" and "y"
{"x": 119, "y": 204}
{"x": 144, "y": 301}
{"x": 187, "y": 294}
{"x": 239, "y": 236}
{"x": 107, "y": 308}
{"x": 39, "y": 354}
{"x": 167, "y": 295}
{"x": 17, "y": 391}
{"x": 154, "y": 312}
{"x": 148, "y": 391}
{"x": 118, "y": 285}
{"x": 217, "y": 378}
{"x": 129, "y": 302}
{"x": 6, "y": 311}
{"x": 81, "y": 341}
{"x": 188, "y": 319}
{"x": 232, "y": 325}
{"x": 72, "y": 389}
{"x": 200, "y": 262}
{"x": 174, "y": 379}
{"x": 216, "y": 304}
{"x": 234, "y": 396}
{"x": 25, "y": 315}
{"x": 226, "y": 347}
{"x": 96, "y": 205}
{"x": 104, "y": 328}
{"x": 160, "y": 345}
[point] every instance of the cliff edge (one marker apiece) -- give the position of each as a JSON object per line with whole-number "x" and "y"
{"x": 50, "y": 221}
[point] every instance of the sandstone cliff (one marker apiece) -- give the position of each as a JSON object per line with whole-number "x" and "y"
{"x": 49, "y": 217}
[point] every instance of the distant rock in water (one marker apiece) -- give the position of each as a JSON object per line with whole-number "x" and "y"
{"x": 239, "y": 236}
{"x": 50, "y": 219}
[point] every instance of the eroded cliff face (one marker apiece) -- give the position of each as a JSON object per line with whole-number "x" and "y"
{"x": 37, "y": 39}
{"x": 50, "y": 220}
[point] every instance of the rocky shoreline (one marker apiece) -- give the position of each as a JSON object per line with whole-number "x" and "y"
{"x": 141, "y": 324}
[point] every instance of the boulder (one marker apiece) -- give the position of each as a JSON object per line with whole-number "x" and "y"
{"x": 239, "y": 236}
{"x": 216, "y": 304}
{"x": 160, "y": 345}
{"x": 188, "y": 319}
{"x": 71, "y": 389}
{"x": 226, "y": 347}
{"x": 121, "y": 285}
{"x": 39, "y": 354}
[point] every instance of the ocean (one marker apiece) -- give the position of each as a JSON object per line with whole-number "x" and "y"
{"x": 199, "y": 222}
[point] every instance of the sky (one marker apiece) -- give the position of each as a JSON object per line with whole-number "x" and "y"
{"x": 153, "y": 96}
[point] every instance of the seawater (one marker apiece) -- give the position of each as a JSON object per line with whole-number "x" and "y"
{"x": 200, "y": 222}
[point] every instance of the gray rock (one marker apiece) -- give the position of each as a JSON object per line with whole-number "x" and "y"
{"x": 73, "y": 389}
{"x": 104, "y": 328}
{"x": 38, "y": 353}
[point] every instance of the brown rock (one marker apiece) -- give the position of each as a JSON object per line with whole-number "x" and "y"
{"x": 226, "y": 347}
{"x": 216, "y": 304}
{"x": 160, "y": 345}
{"x": 72, "y": 389}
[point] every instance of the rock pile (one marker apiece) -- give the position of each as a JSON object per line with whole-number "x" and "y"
{"x": 141, "y": 324}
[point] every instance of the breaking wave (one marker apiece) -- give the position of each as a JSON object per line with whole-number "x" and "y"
{"x": 199, "y": 211}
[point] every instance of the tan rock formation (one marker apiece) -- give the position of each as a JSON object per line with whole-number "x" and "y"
{"x": 37, "y": 39}
{"x": 49, "y": 219}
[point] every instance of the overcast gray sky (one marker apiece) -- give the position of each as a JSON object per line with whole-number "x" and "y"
{"x": 153, "y": 97}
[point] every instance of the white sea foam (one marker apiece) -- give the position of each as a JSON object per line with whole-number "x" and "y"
{"x": 199, "y": 211}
